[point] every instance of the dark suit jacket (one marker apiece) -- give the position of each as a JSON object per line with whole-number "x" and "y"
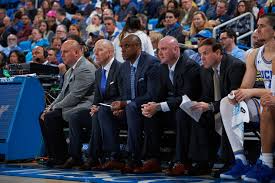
{"x": 186, "y": 82}
{"x": 146, "y": 79}
{"x": 231, "y": 74}
{"x": 112, "y": 86}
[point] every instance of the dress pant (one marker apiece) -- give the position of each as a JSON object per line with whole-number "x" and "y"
{"x": 109, "y": 127}
{"x": 78, "y": 121}
{"x": 136, "y": 125}
{"x": 53, "y": 135}
{"x": 195, "y": 141}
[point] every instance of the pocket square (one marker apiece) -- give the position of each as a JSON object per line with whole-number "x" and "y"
{"x": 170, "y": 93}
{"x": 140, "y": 79}
{"x": 112, "y": 82}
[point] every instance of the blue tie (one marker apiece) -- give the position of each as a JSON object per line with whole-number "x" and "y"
{"x": 132, "y": 77}
{"x": 103, "y": 81}
{"x": 171, "y": 76}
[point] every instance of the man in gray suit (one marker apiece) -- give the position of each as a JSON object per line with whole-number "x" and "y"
{"x": 75, "y": 95}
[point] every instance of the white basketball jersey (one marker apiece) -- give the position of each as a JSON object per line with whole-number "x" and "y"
{"x": 264, "y": 67}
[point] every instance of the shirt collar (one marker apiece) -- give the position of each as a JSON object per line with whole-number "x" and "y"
{"x": 218, "y": 68}
{"x": 108, "y": 66}
{"x": 173, "y": 67}
{"x": 135, "y": 64}
{"x": 74, "y": 66}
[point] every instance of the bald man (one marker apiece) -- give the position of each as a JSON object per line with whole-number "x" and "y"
{"x": 179, "y": 76}
{"x": 76, "y": 94}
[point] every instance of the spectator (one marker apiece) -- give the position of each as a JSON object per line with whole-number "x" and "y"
{"x": 39, "y": 56}
{"x": 209, "y": 8}
{"x": 51, "y": 58}
{"x": 194, "y": 55}
{"x": 51, "y": 20}
{"x": 107, "y": 13}
{"x": 12, "y": 45}
{"x": 132, "y": 26}
{"x": 6, "y": 29}
{"x": 127, "y": 8}
{"x": 16, "y": 57}
{"x": 86, "y": 7}
{"x": 221, "y": 13}
{"x": 173, "y": 28}
{"x": 110, "y": 31}
{"x": 61, "y": 32}
{"x": 228, "y": 40}
{"x": 2, "y": 14}
{"x": 46, "y": 6}
{"x": 256, "y": 42}
{"x": 70, "y": 7}
{"x": 30, "y": 10}
{"x": 56, "y": 44}
{"x": 155, "y": 38}
{"x": 46, "y": 32}
{"x": 26, "y": 31}
{"x": 187, "y": 12}
{"x": 199, "y": 22}
{"x": 95, "y": 25}
{"x": 143, "y": 22}
{"x": 17, "y": 23}
{"x": 150, "y": 8}
{"x": 61, "y": 18}
{"x": 242, "y": 25}
{"x": 74, "y": 30}
{"x": 55, "y": 6}
{"x": 37, "y": 20}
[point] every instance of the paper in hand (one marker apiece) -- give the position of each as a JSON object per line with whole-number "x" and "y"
{"x": 186, "y": 105}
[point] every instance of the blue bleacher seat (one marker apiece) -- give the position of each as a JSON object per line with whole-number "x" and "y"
{"x": 152, "y": 23}
{"x": 25, "y": 45}
{"x": 120, "y": 25}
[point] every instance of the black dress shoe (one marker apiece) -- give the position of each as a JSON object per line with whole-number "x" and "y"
{"x": 200, "y": 169}
{"x": 70, "y": 163}
{"x": 88, "y": 165}
{"x": 54, "y": 162}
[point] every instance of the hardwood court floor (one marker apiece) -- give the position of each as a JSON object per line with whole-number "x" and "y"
{"x": 13, "y": 179}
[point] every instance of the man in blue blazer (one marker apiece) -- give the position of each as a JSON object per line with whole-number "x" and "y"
{"x": 139, "y": 82}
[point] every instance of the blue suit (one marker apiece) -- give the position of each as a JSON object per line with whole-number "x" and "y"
{"x": 146, "y": 90}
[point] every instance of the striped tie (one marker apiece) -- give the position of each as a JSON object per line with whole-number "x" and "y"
{"x": 132, "y": 77}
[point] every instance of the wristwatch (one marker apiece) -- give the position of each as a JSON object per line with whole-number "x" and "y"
{"x": 211, "y": 107}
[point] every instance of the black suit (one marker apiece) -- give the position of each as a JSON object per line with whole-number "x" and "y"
{"x": 231, "y": 74}
{"x": 104, "y": 134}
{"x": 186, "y": 81}
{"x": 146, "y": 89}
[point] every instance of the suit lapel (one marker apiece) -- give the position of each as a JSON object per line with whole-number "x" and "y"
{"x": 140, "y": 67}
{"x": 70, "y": 74}
{"x": 110, "y": 75}
{"x": 177, "y": 71}
{"x": 222, "y": 73}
